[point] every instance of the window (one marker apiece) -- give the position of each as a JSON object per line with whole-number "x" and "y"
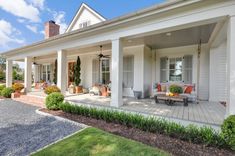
{"x": 46, "y": 72}
{"x": 105, "y": 71}
{"x": 84, "y": 24}
{"x": 128, "y": 71}
{"x": 176, "y": 69}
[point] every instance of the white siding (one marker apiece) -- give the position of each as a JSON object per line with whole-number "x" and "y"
{"x": 218, "y": 89}
{"x": 189, "y": 50}
{"x": 204, "y": 74}
{"x": 86, "y": 15}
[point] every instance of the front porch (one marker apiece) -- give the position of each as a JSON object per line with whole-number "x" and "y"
{"x": 205, "y": 112}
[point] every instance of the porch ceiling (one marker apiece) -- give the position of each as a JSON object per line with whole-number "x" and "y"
{"x": 176, "y": 38}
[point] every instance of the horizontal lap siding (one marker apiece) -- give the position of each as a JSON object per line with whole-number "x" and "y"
{"x": 218, "y": 88}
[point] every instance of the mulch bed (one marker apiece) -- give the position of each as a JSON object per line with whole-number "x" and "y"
{"x": 166, "y": 143}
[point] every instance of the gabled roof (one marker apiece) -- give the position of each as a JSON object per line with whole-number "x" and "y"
{"x": 80, "y": 10}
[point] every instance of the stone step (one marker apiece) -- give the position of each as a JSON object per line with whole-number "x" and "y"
{"x": 32, "y": 100}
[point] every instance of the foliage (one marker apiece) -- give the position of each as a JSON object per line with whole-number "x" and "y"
{"x": 17, "y": 86}
{"x": 2, "y": 75}
{"x": 2, "y": 64}
{"x": 6, "y": 92}
{"x": 203, "y": 135}
{"x": 94, "y": 142}
{"x": 17, "y": 76}
{"x": 55, "y": 73}
{"x": 53, "y": 100}
{"x": 51, "y": 89}
{"x": 176, "y": 89}
{"x": 228, "y": 131}
{"x": 77, "y": 72}
{"x": 2, "y": 87}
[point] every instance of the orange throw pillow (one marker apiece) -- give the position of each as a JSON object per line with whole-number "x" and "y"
{"x": 188, "y": 89}
{"x": 158, "y": 87}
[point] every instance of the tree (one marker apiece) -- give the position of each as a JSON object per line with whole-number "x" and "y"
{"x": 77, "y": 72}
{"x": 2, "y": 65}
{"x": 55, "y": 73}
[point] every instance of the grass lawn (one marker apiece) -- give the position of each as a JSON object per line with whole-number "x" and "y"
{"x": 95, "y": 142}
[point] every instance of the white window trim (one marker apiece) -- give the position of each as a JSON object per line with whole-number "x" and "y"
{"x": 46, "y": 64}
{"x": 183, "y": 70}
{"x": 101, "y": 72}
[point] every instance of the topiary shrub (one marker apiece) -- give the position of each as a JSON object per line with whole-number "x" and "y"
{"x": 2, "y": 87}
{"x": 228, "y": 131}
{"x": 17, "y": 87}
{"x": 51, "y": 89}
{"x": 176, "y": 89}
{"x": 6, "y": 92}
{"x": 54, "y": 100}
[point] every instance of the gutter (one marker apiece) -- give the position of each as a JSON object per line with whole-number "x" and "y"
{"x": 169, "y": 5}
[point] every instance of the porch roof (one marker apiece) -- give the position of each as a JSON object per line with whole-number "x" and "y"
{"x": 120, "y": 23}
{"x": 162, "y": 7}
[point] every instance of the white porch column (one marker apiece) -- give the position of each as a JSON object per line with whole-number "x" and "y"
{"x": 231, "y": 66}
{"x": 28, "y": 73}
{"x": 117, "y": 73}
{"x": 61, "y": 70}
{"x": 36, "y": 74}
{"x": 9, "y": 73}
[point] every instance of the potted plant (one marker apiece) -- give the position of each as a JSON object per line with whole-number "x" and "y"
{"x": 71, "y": 88}
{"x": 176, "y": 90}
{"x": 77, "y": 74}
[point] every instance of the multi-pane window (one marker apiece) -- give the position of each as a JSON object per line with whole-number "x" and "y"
{"x": 46, "y": 72}
{"x": 178, "y": 69}
{"x": 105, "y": 71}
{"x": 128, "y": 71}
{"x": 175, "y": 69}
{"x": 84, "y": 24}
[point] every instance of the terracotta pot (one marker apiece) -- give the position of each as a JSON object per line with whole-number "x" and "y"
{"x": 78, "y": 89}
{"x": 176, "y": 94}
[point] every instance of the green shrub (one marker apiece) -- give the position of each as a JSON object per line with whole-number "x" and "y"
{"x": 228, "y": 131}
{"x": 2, "y": 87}
{"x": 51, "y": 89}
{"x": 176, "y": 89}
{"x": 6, "y": 92}
{"x": 203, "y": 135}
{"x": 54, "y": 100}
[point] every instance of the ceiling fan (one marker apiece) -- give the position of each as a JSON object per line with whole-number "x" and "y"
{"x": 34, "y": 62}
{"x": 101, "y": 55}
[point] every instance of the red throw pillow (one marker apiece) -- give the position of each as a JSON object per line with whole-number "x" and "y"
{"x": 188, "y": 89}
{"x": 158, "y": 87}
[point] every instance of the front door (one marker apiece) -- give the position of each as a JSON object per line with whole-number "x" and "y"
{"x": 71, "y": 66}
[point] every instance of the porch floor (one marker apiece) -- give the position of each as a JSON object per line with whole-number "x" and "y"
{"x": 205, "y": 112}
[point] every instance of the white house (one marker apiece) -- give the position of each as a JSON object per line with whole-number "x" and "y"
{"x": 194, "y": 38}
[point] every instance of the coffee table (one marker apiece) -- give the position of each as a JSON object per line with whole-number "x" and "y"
{"x": 170, "y": 100}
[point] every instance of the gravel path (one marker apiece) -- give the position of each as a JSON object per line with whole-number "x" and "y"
{"x": 22, "y": 131}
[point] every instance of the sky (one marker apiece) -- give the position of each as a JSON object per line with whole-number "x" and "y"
{"x": 22, "y": 21}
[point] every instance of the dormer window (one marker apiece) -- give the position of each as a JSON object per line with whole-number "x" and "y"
{"x": 84, "y": 24}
